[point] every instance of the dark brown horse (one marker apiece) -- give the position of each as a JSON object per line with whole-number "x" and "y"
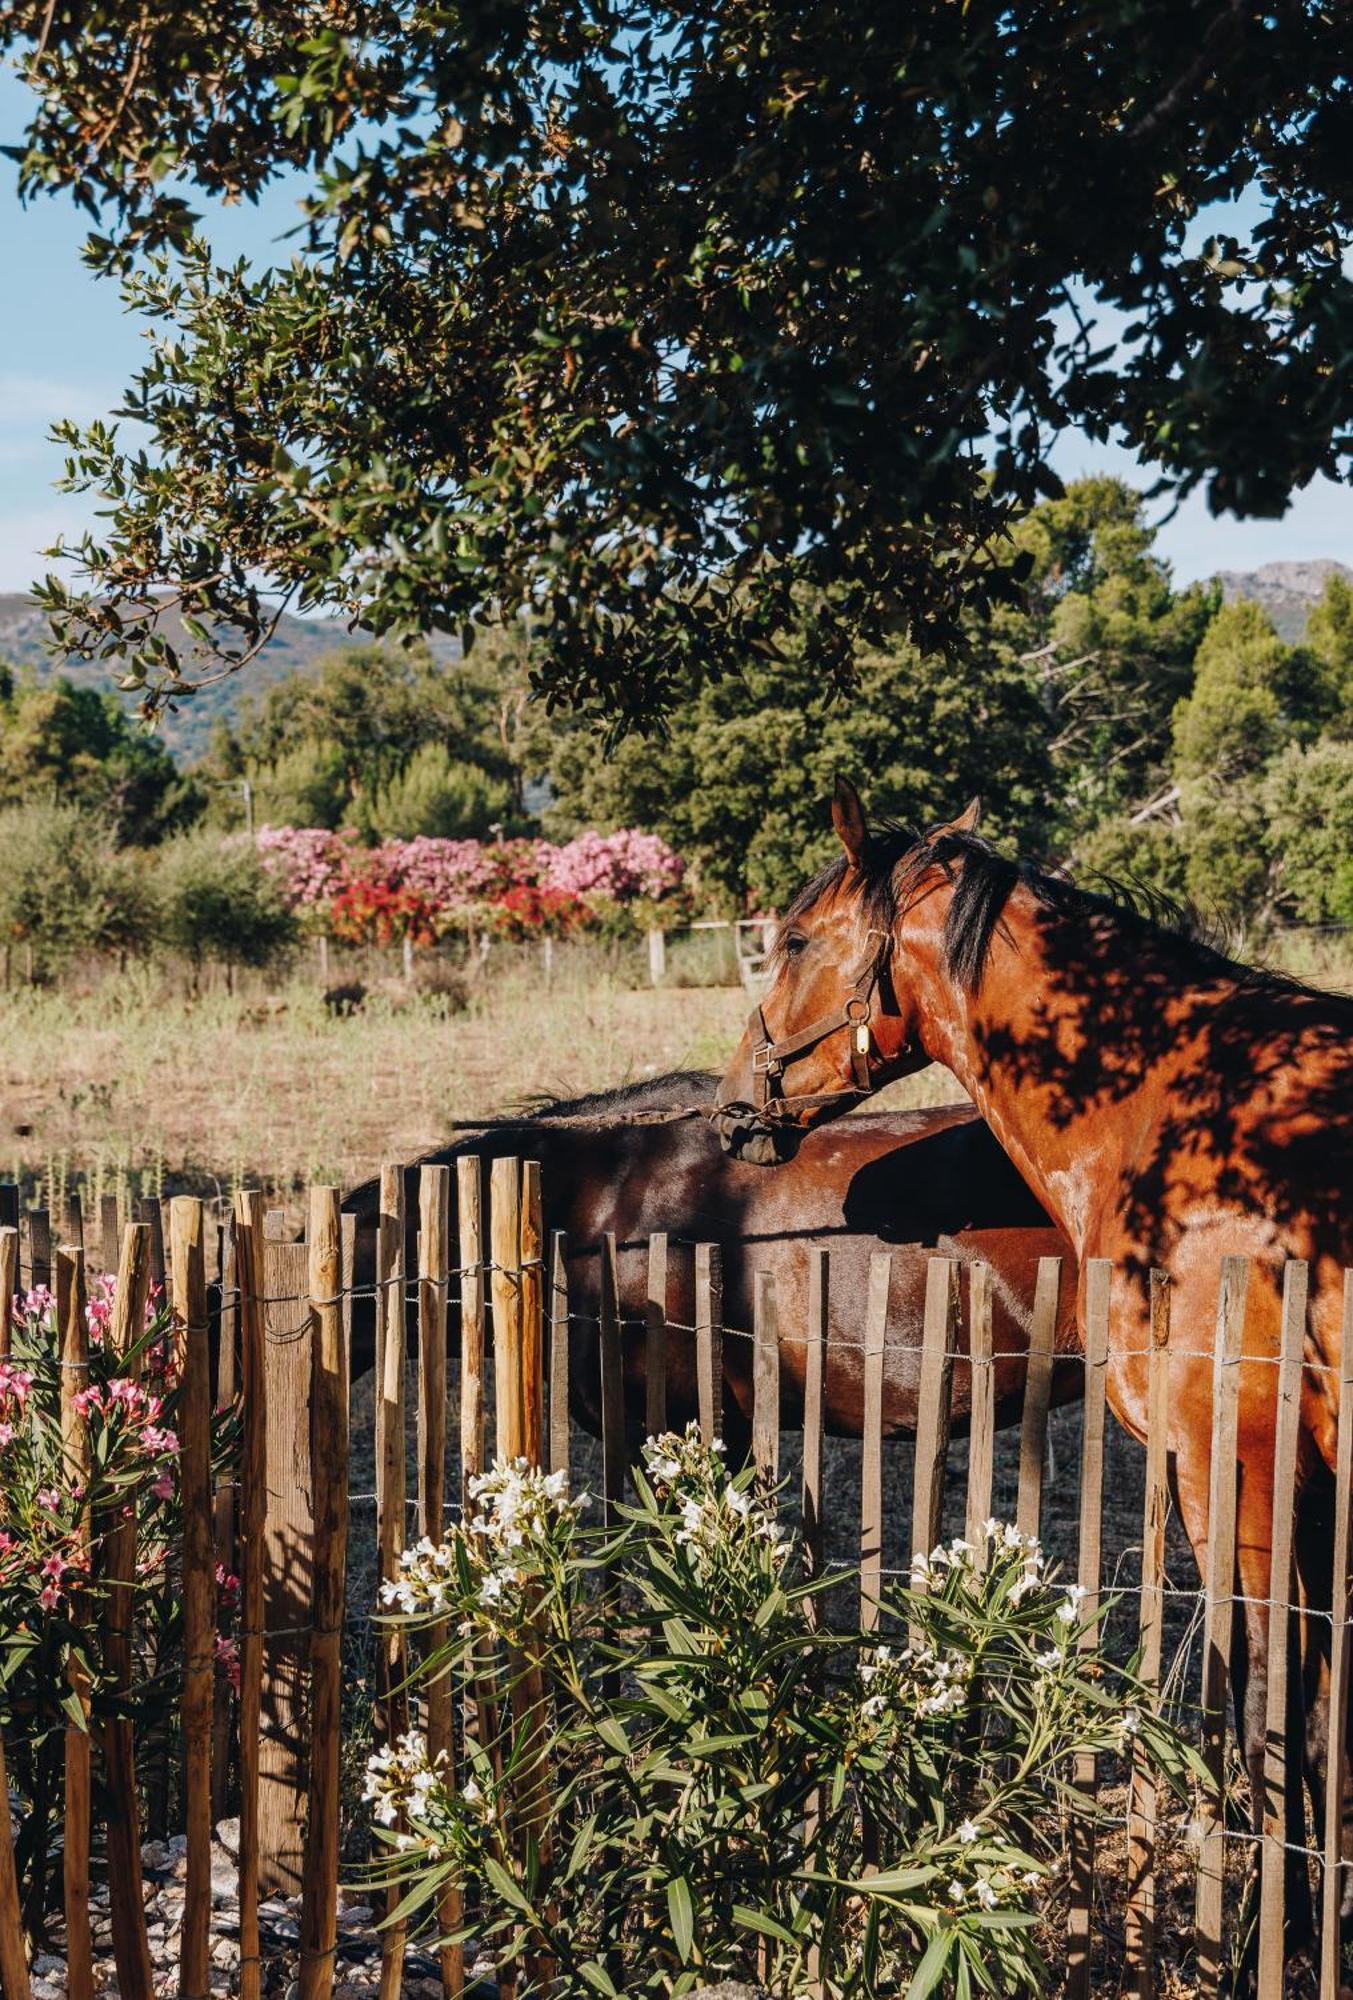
{"x": 909, "y": 1182}
{"x": 1168, "y": 1106}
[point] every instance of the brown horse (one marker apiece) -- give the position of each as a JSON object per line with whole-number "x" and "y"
{"x": 1167, "y": 1105}
{"x": 643, "y": 1159}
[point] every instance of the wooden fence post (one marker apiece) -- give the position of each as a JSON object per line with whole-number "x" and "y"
{"x": 223, "y": 1526}
{"x": 982, "y": 1406}
{"x": 933, "y": 1402}
{"x": 199, "y": 1583}
{"x": 871, "y": 1460}
{"x": 469, "y": 1217}
{"x": 709, "y": 1338}
{"x": 612, "y": 1384}
{"x": 1033, "y": 1438}
{"x": 1286, "y": 1442}
{"x": 73, "y": 1334}
{"x": 1080, "y": 1832}
{"x": 39, "y": 1247}
{"x": 9, "y": 1285}
{"x": 531, "y": 1261}
{"x": 288, "y": 1560}
{"x": 434, "y": 1268}
{"x": 131, "y": 1947}
{"x": 505, "y": 1250}
{"x": 1142, "y": 1793}
{"x": 655, "y": 1336}
{"x": 559, "y": 1384}
{"x": 391, "y": 1518}
{"x": 765, "y": 1377}
{"x": 1220, "y": 1586}
{"x": 1332, "y": 1867}
{"x": 329, "y": 1421}
{"x": 109, "y": 1232}
{"x": 249, "y": 1257}
{"x": 813, "y": 1371}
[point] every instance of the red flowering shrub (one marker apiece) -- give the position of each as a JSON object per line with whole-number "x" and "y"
{"x": 529, "y": 911}
{"x": 372, "y": 912}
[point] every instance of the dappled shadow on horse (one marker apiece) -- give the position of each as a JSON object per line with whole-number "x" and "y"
{"x": 1168, "y": 1107}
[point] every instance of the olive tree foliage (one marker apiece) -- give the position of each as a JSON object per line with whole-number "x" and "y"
{"x": 680, "y": 328}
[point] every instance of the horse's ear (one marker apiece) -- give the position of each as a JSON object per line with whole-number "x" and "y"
{"x": 849, "y": 821}
{"x": 968, "y": 819}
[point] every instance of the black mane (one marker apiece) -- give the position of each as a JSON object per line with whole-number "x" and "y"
{"x": 679, "y": 1090}
{"x": 898, "y": 857}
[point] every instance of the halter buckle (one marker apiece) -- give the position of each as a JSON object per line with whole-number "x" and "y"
{"x": 763, "y": 1060}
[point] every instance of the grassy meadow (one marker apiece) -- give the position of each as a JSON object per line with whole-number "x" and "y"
{"x": 124, "y": 1081}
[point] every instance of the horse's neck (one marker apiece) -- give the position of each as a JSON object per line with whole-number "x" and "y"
{"x": 1016, "y": 1045}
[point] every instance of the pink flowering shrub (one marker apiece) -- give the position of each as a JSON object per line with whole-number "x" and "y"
{"x": 427, "y": 888}
{"x": 53, "y": 1527}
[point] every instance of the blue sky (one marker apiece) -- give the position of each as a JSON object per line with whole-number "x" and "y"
{"x": 67, "y": 348}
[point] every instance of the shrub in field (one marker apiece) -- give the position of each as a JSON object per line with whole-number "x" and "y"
{"x": 436, "y": 794}
{"x": 65, "y": 887}
{"x": 52, "y": 1530}
{"x": 686, "y": 1759}
{"x": 219, "y": 901}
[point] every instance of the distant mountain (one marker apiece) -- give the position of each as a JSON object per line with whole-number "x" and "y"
{"x": 297, "y": 643}
{"x": 1287, "y": 590}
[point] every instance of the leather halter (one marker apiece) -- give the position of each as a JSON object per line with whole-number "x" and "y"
{"x": 769, "y": 1057}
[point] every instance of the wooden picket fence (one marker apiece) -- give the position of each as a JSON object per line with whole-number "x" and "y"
{"x": 276, "y": 1315}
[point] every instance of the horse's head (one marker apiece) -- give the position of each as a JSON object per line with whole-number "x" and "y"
{"x": 838, "y": 1020}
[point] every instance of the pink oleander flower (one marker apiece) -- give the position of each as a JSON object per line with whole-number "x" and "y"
{"x": 163, "y": 1488}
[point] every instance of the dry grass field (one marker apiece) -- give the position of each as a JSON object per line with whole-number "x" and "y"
{"x": 126, "y": 1081}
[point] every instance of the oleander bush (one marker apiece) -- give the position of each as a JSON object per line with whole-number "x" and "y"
{"x": 686, "y": 1758}
{"x": 54, "y": 1528}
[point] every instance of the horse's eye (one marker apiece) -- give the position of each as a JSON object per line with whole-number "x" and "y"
{"x": 795, "y": 944}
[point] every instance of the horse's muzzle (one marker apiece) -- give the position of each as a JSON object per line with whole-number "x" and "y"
{"x": 746, "y": 1135}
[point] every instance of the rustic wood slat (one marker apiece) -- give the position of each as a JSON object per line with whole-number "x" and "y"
{"x": 470, "y": 1250}
{"x": 14, "y": 1981}
{"x": 982, "y": 1405}
{"x": 249, "y": 1256}
{"x": 1332, "y": 1866}
{"x": 329, "y": 1417}
{"x": 1033, "y": 1437}
{"x": 520, "y": 1436}
{"x": 559, "y": 1383}
{"x": 131, "y": 1947}
{"x": 765, "y": 1377}
{"x": 73, "y": 1230}
{"x": 612, "y": 1383}
{"x": 531, "y": 1258}
{"x": 77, "y": 1454}
{"x": 655, "y": 1338}
{"x": 391, "y": 1516}
{"x": 199, "y": 1582}
{"x": 9, "y": 1284}
{"x": 434, "y": 1268}
{"x": 1286, "y": 1440}
{"x": 934, "y": 1401}
{"x": 813, "y": 1372}
{"x": 871, "y": 1461}
{"x": 709, "y": 1338}
{"x": 1080, "y": 1832}
{"x": 1142, "y": 1795}
{"x": 505, "y": 1287}
{"x": 110, "y": 1232}
{"x": 1220, "y": 1585}
{"x": 148, "y": 1211}
{"x": 40, "y": 1247}
{"x": 223, "y": 1526}
{"x": 288, "y": 1543}
{"x": 9, "y": 1205}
